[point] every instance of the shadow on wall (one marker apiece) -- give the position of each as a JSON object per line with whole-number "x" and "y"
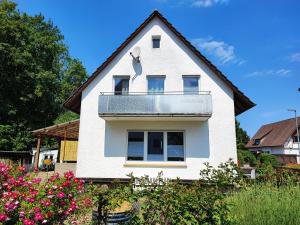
{"x": 196, "y": 139}
{"x": 138, "y": 69}
{"x": 115, "y": 141}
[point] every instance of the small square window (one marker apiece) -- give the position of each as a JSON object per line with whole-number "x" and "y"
{"x": 156, "y": 41}
{"x": 256, "y": 141}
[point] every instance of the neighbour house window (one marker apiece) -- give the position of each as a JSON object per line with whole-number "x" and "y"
{"x": 135, "y": 146}
{"x": 256, "y": 141}
{"x": 121, "y": 85}
{"x": 156, "y": 84}
{"x": 155, "y": 146}
{"x": 191, "y": 84}
{"x": 156, "y": 41}
{"x": 295, "y": 139}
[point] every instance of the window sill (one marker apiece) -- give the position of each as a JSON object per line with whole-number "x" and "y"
{"x": 155, "y": 164}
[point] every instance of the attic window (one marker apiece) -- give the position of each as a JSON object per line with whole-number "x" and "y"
{"x": 295, "y": 139}
{"x": 256, "y": 141}
{"x": 156, "y": 41}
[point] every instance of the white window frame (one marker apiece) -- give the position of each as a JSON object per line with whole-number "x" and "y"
{"x": 156, "y": 76}
{"x": 165, "y": 144}
{"x": 191, "y": 76}
{"x": 156, "y": 37}
{"x": 114, "y": 81}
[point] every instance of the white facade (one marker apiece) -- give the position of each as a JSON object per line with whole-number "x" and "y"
{"x": 102, "y": 146}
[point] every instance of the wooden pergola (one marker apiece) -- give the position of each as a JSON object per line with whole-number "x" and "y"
{"x": 63, "y": 131}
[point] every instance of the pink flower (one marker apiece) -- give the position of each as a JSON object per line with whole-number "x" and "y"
{"x": 38, "y": 216}
{"x": 69, "y": 175}
{"x": 21, "y": 214}
{"x": 3, "y": 217}
{"x": 61, "y": 195}
{"x": 28, "y": 222}
{"x": 36, "y": 180}
{"x": 21, "y": 169}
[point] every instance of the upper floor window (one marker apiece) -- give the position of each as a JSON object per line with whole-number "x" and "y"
{"x": 295, "y": 139}
{"x": 121, "y": 85}
{"x": 191, "y": 84}
{"x": 256, "y": 141}
{"x": 156, "y": 41}
{"x": 156, "y": 84}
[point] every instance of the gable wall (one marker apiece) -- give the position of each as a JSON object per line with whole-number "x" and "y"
{"x": 173, "y": 59}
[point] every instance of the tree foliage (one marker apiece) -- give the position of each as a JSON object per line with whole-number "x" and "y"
{"x": 36, "y": 75}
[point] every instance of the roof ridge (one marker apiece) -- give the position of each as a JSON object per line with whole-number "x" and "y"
{"x": 281, "y": 121}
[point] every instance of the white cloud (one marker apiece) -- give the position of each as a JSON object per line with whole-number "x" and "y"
{"x": 194, "y": 3}
{"x": 223, "y": 52}
{"x": 207, "y": 3}
{"x": 280, "y": 73}
{"x": 295, "y": 57}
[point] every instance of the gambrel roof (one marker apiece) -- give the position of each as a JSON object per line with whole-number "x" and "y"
{"x": 241, "y": 101}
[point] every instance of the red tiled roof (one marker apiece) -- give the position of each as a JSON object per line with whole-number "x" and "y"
{"x": 274, "y": 134}
{"x": 241, "y": 102}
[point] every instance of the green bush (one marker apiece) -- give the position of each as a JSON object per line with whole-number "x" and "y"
{"x": 175, "y": 203}
{"x": 267, "y": 159}
{"x": 245, "y": 156}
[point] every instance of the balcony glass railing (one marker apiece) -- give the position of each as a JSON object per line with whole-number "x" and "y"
{"x": 167, "y": 104}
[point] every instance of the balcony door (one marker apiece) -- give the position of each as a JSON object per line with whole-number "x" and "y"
{"x": 155, "y": 146}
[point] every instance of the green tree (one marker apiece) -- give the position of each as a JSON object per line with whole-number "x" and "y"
{"x": 242, "y": 138}
{"x": 36, "y": 75}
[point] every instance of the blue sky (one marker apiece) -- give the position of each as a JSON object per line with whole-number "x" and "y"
{"x": 255, "y": 43}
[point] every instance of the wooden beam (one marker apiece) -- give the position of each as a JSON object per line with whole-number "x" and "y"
{"x": 37, "y": 153}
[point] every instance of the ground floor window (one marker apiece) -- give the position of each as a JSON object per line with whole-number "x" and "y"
{"x": 156, "y": 145}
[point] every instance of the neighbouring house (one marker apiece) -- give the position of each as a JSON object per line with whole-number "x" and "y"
{"x": 65, "y": 156}
{"x": 156, "y": 104}
{"x": 279, "y": 139}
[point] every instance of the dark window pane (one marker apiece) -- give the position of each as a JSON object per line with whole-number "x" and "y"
{"x": 121, "y": 86}
{"x": 156, "y": 85}
{"x": 156, "y": 42}
{"x": 191, "y": 85}
{"x": 175, "y": 146}
{"x": 155, "y": 146}
{"x": 135, "y": 146}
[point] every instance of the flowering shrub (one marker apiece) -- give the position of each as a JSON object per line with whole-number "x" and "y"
{"x": 25, "y": 199}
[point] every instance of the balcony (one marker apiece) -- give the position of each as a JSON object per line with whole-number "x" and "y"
{"x": 167, "y": 106}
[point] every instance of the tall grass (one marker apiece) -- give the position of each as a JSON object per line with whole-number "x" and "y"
{"x": 266, "y": 204}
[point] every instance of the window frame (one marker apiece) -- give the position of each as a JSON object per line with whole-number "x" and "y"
{"x": 191, "y": 76}
{"x": 156, "y": 37}
{"x": 120, "y": 77}
{"x": 163, "y": 77}
{"x": 165, "y": 146}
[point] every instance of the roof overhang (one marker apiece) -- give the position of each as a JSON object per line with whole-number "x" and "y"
{"x": 68, "y": 130}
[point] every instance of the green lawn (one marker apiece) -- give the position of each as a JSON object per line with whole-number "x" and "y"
{"x": 266, "y": 205}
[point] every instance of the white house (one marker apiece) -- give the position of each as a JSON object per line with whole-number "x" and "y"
{"x": 279, "y": 139}
{"x": 156, "y": 104}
